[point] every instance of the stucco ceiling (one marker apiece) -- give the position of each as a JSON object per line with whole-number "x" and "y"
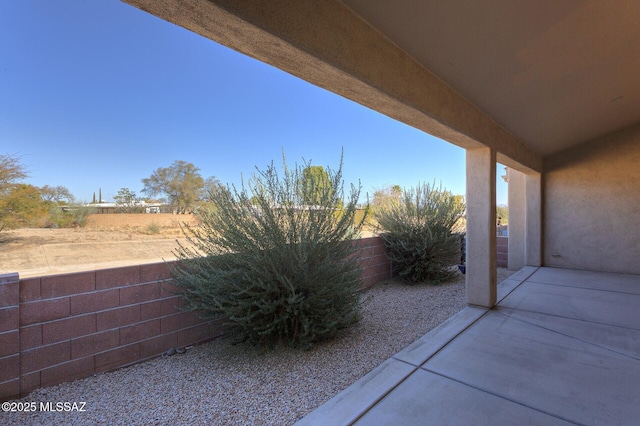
{"x": 553, "y": 73}
{"x": 528, "y": 77}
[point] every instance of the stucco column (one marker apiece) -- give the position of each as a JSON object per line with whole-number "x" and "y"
{"x": 533, "y": 241}
{"x": 481, "y": 227}
{"x": 517, "y": 219}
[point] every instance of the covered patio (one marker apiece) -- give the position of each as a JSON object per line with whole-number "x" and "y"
{"x": 549, "y": 89}
{"x": 562, "y": 346}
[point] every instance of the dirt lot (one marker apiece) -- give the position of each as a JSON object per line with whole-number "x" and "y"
{"x": 106, "y": 241}
{"x": 24, "y": 238}
{"x": 105, "y": 227}
{"x": 139, "y": 222}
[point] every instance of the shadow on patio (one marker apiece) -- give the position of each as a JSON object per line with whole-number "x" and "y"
{"x": 561, "y": 347}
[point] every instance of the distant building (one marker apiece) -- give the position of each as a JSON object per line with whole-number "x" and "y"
{"x": 112, "y": 208}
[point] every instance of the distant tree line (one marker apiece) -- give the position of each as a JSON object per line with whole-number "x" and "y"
{"x": 23, "y": 205}
{"x": 180, "y": 186}
{"x": 186, "y": 190}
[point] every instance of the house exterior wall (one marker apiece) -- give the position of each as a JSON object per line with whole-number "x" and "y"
{"x": 592, "y": 205}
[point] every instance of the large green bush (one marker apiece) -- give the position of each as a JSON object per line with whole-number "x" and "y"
{"x": 73, "y": 216}
{"x": 278, "y": 270}
{"x": 421, "y": 232}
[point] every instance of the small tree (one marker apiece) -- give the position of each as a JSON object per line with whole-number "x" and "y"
{"x": 502, "y": 214}
{"x": 277, "y": 269}
{"x": 58, "y": 195}
{"x": 181, "y": 182}
{"x": 127, "y": 201}
{"x": 19, "y": 203}
{"x": 62, "y": 212}
{"x": 386, "y": 196}
{"x": 70, "y": 216}
{"x": 211, "y": 184}
{"x": 11, "y": 170}
{"x": 314, "y": 183}
{"x": 22, "y": 206}
{"x": 419, "y": 233}
{"x": 79, "y": 215}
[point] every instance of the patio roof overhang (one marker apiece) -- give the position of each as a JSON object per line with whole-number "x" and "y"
{"x": 527, "y": 78}
{"x": 512, "y": 82}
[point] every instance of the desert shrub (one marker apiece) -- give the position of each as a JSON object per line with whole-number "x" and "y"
{"x": 278, "y": 270}
{"x": 420, "y": 233}
{"x": 152, "y": 228}
{"x": 74, "y": 216}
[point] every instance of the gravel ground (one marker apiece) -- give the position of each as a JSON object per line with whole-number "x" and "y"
{"x": 218, "y": 383}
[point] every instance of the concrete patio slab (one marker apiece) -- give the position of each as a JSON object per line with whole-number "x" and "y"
{"x": 623, "y": 340}
{"x": 607, "y": 281}
{"x": 600, "y": 306}
{"x": 354, "y": 401}
{"x": 542, "y": 369}
{"x": 425, "y": 347}
{"x": 524, "y": 273}
{"x": 566, "y": 351}
{"x": 508, "y": 285}
{"x": 426, "y": 398}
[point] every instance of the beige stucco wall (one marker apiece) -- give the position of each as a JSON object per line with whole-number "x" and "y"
{"x": 592, "y": 205}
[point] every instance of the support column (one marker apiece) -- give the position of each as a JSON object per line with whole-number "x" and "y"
{"x": 517, "y": 220}
{"x": 533, "y": 191}
{"x": 481, "y": 227}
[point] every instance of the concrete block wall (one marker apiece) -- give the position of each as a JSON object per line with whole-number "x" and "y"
{"x": 71, "y": 326}
{"x": 59, "y": 328}
{"x": 376, "y": 266}
{"x": 9, "y": 336}
{"x": 502, "y": 247}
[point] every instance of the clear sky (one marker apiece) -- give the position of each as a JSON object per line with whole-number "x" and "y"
{"x": 98, "y": 94}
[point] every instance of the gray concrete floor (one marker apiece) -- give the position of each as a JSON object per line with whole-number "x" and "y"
{"x": 561, "y": 347}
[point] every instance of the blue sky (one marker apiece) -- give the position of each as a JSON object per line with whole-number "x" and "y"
{"x": 97, "y": 94}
